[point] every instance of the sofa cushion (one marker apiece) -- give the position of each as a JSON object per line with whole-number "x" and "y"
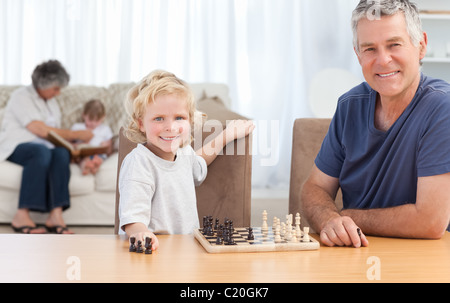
{"x": 79, "y": 184}
{"x": 10, "y": 176}
{"x": 105, "y": 178}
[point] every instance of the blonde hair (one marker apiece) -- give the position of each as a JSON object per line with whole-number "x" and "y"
{"x": 157, "y": 83}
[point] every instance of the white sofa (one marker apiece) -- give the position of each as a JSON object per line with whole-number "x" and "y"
{"x": 92, "y": 197}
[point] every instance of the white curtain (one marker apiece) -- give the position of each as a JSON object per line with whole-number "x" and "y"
{"x": 266, "y": 51}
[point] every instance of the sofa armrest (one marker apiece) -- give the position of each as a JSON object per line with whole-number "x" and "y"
{"x": 308, "y": 134}
{"x": 226, "y": 191}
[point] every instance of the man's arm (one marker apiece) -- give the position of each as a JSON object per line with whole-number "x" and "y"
{"x": 318, "y": 206}
{"x": 428, "y": 218}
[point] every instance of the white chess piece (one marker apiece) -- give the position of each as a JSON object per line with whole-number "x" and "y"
{"x": 277, "y": 237}
{"x": 305, "y": 234}
{"x": 264, "y": 226}
{"x": 298, "y": 232}
{"x": 288, "y": 235}
{"x": 294, "y": 238}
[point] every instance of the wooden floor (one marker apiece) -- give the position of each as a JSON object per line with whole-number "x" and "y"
{"x": 275, "y": 207}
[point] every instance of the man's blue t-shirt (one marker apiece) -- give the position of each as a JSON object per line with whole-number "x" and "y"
{"x": 379, "y": 169}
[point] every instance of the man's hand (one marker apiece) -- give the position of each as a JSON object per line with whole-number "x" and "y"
{"x": 342, "y": 231}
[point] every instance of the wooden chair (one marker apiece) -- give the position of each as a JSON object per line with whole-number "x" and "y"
{"x": 308, "y": 134}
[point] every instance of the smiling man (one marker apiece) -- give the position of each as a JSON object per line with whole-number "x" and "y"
{"x": 388, "y": 145}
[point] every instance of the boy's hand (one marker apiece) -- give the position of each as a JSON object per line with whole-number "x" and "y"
{"x": 141, "y": 237}
{"x": 235, "y": 129}
{"x": 139, "y": 231}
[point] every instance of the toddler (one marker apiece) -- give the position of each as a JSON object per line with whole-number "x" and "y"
{"x": 93, "y": 116}
{"x": 157, "y": 179}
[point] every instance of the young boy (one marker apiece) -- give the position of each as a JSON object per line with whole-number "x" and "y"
{"x": 93, "y": 116}
{"x": 157, "y": 179}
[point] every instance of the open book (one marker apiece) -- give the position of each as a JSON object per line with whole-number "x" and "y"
{"x": 76, "y": 150}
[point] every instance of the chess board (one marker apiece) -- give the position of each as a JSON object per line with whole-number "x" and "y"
{"x": 263, "y": 241}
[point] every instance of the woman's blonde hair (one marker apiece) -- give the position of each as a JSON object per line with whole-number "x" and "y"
{"x": 157, "y": 83}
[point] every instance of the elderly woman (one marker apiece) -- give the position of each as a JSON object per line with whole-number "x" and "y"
{"x": 31, "y": 113}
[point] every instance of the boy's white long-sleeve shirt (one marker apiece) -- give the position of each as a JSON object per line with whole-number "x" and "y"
{"x": 160, "y": 193}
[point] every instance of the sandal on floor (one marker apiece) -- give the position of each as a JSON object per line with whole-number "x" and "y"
{"x": 24, "y": 229}
{"x": 57, "y": 229}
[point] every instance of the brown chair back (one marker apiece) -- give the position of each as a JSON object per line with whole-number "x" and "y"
{"x": 308, "y": 134}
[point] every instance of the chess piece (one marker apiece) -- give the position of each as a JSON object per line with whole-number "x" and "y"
{"x": 132, "y": 244}
{"x": 148, "y": 246}
{"x": 209, "y": 230}
{"x": 231, "y": 232}
{"x": 205, "y": 224}
{"x": 225, "y": 234}
{"x": 228, "y": 238}
{"x": 250, "y": 234}
{"x": 283, "y": 229}
{"x": 288, "y": 234}
{"x": 277, "y": 237}
{"x": 264, "y": 226}
{"x": 139, "y": 248}
{"x": 294, "y": 238}
{"x": 298, "y": 232}
{"x": 231, "y": 227}
{"x": 220, "y": 231}
{"x": 305, "y": 234}
{"x": 216, "y": 226}
{"x": 219, "y": 240}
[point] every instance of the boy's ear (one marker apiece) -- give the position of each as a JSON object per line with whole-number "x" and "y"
{"x": 141, "y": 125}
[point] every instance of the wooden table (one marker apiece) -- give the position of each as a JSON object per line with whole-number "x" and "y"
{"x": 105, "y": 258}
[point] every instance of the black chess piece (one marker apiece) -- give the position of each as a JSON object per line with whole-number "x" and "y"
{"x": 216, "y": 226}
{"x": 250, "y": 234}
{"x": 205, "y": 224}
{"x": 209, "y": 228}
{"x": 231, "y": 240}
{"x": 132, "y": 245}
{"x": 220, "y": 230}
{"x": 219, "y": 240}
{"x": 225, "y": 235}
{"x": 139, "y": 248}
{"x": 148, "y": 246}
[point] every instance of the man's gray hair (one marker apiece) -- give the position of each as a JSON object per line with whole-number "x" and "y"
{"x": 48, "y": 74}
{"x": 375, "y": 9}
